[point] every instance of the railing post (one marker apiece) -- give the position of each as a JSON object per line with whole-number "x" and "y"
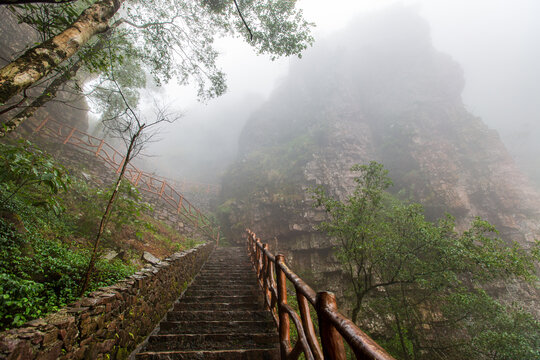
{"x": 254, "y": 251}
{"x": 99, "y": 149}
{"x": 332, "y": 342}
{"x": 120, "y": 166}
{"x": 258, "y": 262}
{"x": 305, "y": 315}
{"x": 138, "y": 176}
{"x": 69, "y": 136}
{"x": 179, "y": 209}
{"x": 250, "y": 248}
{"x": 266, "y": 267}
{"x": 162, "y": 189}
{"x": 40, "y": 126}
{"x": 284, "y": 325}
{"x": 249, "y": 244}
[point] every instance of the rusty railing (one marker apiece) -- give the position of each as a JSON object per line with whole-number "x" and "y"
{"x": 191, "y": 186}
{"x": 140, "y": 179}
{"x": 273, "y": 273}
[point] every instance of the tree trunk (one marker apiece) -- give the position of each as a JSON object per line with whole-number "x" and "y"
{"x": 48, "y": 94}
{"x": 355, "y": 311}
{"x": 41, "y": 59}
{"x": 108, "y": 210}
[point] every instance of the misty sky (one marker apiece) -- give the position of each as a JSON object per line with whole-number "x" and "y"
{"x": 495, "y": 41}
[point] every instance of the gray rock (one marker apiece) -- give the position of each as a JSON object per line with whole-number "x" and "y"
{"x": 150, "y": 258}
{"x": 111, "y": 254}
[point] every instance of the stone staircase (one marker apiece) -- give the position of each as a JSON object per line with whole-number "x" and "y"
{"x": 220, "y": 316}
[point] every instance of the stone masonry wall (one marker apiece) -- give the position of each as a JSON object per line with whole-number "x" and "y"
{"x": 111, "y": 322}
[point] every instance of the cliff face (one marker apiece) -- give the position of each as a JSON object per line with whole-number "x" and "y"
{"x": 377, "y": 91}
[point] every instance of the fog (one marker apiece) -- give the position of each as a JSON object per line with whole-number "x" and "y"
{"x": 494, "y": 41}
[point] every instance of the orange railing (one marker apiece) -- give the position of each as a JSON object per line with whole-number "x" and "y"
{"x": 140, "y": 179}
{"x": 192, "y": 186}
{"x": 273, "y": 273}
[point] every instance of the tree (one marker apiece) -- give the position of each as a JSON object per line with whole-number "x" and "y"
{"x": 127, "y": 125}
{"x": 276, "y": 27}
{"x": 48, "y": 21}
{"x": 424, "y": 283}
{"x": 18, "y": 2}
{"x": 49, "y": 93}
{"x": 41, "y": 59}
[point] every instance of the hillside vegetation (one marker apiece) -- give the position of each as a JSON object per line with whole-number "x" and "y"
{"x": 47, "y": 217}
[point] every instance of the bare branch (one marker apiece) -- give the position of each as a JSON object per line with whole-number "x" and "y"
{"x": 243, "y": 20}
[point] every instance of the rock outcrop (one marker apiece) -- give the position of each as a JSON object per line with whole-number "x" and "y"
{"x": 380, "y": 91}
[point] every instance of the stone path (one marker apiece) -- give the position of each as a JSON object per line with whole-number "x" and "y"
{"x": 220, "y": 316}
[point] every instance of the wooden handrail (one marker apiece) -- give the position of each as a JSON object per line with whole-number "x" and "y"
{"x": 334, "y": 327}
{"x": 140, "y": 179}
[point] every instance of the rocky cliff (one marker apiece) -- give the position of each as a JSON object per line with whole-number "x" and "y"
{"x": 371, "y": 92}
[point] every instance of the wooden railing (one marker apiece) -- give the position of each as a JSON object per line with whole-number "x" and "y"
{"x": 273, "y": 273}
{"x": 140, "y": 179}
{"x": 192, "y": 186}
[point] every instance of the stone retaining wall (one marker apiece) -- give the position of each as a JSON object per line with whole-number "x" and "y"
{"x": 110, "y": 322}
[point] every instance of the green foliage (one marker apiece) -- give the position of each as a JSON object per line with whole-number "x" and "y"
{"x": 184, "y": 48}
{"x": 39, "y": 270}
{"x": 24, "y": 166}
{"x": 122, "y": 76}
{"x": 128, "y": 208}
{"x": 49, "y": 20}
{"x": 278, "y": 28}
{"x": 44, "y": 255}
{"x": 424, "y": 280}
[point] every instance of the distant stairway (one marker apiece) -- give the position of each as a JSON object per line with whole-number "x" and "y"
{"x": 220, "y": 316}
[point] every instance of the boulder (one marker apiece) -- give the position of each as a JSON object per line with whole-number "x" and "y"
{"x": 150, "y": 258}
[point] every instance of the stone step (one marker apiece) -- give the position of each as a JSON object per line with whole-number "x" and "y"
{"x": 185, "y": 342}
{"x": 236, "y": 265}
{"x": 247, "y": 276}
{"x": 231, "y": 275}
{"x": 243, "y": 265}
{"x": 229, "y": 259}
{"x": 234, "y": 299}
{"x": 219, "y": 315}
{"x": 216, "y": 327}
{"x": 247, "y": 272}
{"x": 216, "y": 291}
{"x": 236, "y": 287}
{"x": 206, "y": 280}
{"x": 217, "y": 306}
{"x": 225, "y": 283}
{"x": 236, "y": 277}
{"x": 223, "y": 269}
{"x": 237, "y": 354}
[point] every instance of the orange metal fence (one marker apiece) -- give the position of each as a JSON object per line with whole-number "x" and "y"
{"x": 191, "y": 186}
{"x": 273, "y": 273}
{"x": 140, "y": 179}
